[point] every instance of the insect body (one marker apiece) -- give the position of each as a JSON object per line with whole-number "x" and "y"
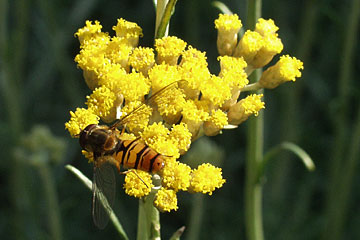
{"x": 108, "y": 148}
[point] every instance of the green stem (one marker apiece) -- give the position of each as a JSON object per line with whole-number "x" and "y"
{"x": 160, "y": 9}
{"x": 53, "y": 211}
{"x": 254, "y": 151}
{"x": 251, "y": 87}
{"x": 196, "y": 217}
{"x": 336, "y": 197}
{"x": 253, "y": 188}
{"x": 165, "y": 18}
{"x": 148, "y": 219}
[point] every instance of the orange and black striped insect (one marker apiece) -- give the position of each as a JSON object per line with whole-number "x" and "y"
{"x": 108, "y": 148}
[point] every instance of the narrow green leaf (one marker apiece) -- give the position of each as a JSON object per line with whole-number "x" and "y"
{"x": 169, "y": 10}
{"x": 222, "y": 7}
{"x": 88, "y": 183}
{"x": 178, "y": 233}
{"x": 80, "y": 175}
{"x": 298, "y": 151}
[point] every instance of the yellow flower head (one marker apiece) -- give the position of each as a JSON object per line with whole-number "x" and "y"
{"x": 176, "y": 175}
{"x": 194, "y": 70}
{"x": 181, "y": 136}
{"x": 92, "y": 60}
{"x": 206, "y": 178}
{"x": 101, "y": 101}
{"x": 233, "y": 71}
{"x": 266, "y": 27}
{"x": 193, "y": 112}
{"x": 215, "y": 123}
{"x": 88, "y": 31}
{"x": 170, "y": 105}
{"x": 111, "y": 77}
{"x": 227, "y": 22}
{"x": 142, "y": 59}
{"x": 217, "y": 120}
{"x": 252, "y": 104}
{"x": 166, "y": 200}
{"x": 92, "y": 54}
{"x": 286, "y": 69}
{"x": 241, "y": 111}
{"x": 118, "y": 51}
{"x": 128, "y": 30}
{"x": 157, "y": 137}
{"x": 169, "y": 49}
{"x": 249, "y": 45}
{"x": 162, "y": 75}
{"x": 154, "y": 132}
{"x": 136, "y": 122}
{"x": 228, "y": 26}
{"x": 166, "y": 147}
{"x": 80, "y": 119}
{"x": 193, "y": 117}
{"x": 134, "y": 86}
{"x": 272, "y": 46}
{"x": 215, "y": 90}
{"x": 138, "y": 183}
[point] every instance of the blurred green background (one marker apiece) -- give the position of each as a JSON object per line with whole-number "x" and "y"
{"x": 40, "y": 84}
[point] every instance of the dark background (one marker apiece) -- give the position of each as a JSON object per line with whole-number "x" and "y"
{"x": 40, "y": 84}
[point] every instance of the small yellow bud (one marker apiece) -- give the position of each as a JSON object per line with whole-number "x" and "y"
{"x": 142, "y": 59}
{"x": 249, "y": 45}
{"x": 215, "y": 123}
{"x": 166, "y": 200}
{"x": 243, "y": 109}
{"x": 88, "y": 31}
{"x": 169, "y": 49}
{"x": 228, "y": 26}
{"x": 286, "y": 69}
{"x": 128, "y": 30}
{"x": 266, "y": 27}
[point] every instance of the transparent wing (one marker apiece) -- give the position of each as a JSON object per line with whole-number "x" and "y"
{"x": 149, "y": 102}
{"x": 103, "y": 194}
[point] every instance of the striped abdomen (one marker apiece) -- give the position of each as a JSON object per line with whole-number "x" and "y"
{"x": 137, "y": 155}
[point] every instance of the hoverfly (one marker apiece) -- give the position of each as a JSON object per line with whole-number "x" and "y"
{"x": 109, "y": 149}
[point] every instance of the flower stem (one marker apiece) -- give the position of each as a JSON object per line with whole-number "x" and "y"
{"x": 164, "y": 16}
{"x": 160, "y": 9}
{"x": 54, "y": 220}
{"x": 148, "y": 219}
{"x": 254, "y": 155}
{"x": 253, "y": 188}
{"x": 251, "y": 87}
{"x": 196, "y": 217}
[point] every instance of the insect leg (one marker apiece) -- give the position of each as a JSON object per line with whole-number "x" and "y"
{"x": 131, "y": 170}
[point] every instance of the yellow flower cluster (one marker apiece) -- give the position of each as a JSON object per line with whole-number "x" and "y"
{"x": 169, "y": 97}
{"x": 256, "y": 48}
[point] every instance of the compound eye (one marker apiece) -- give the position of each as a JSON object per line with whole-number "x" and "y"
{"x": 84, "y": 134}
